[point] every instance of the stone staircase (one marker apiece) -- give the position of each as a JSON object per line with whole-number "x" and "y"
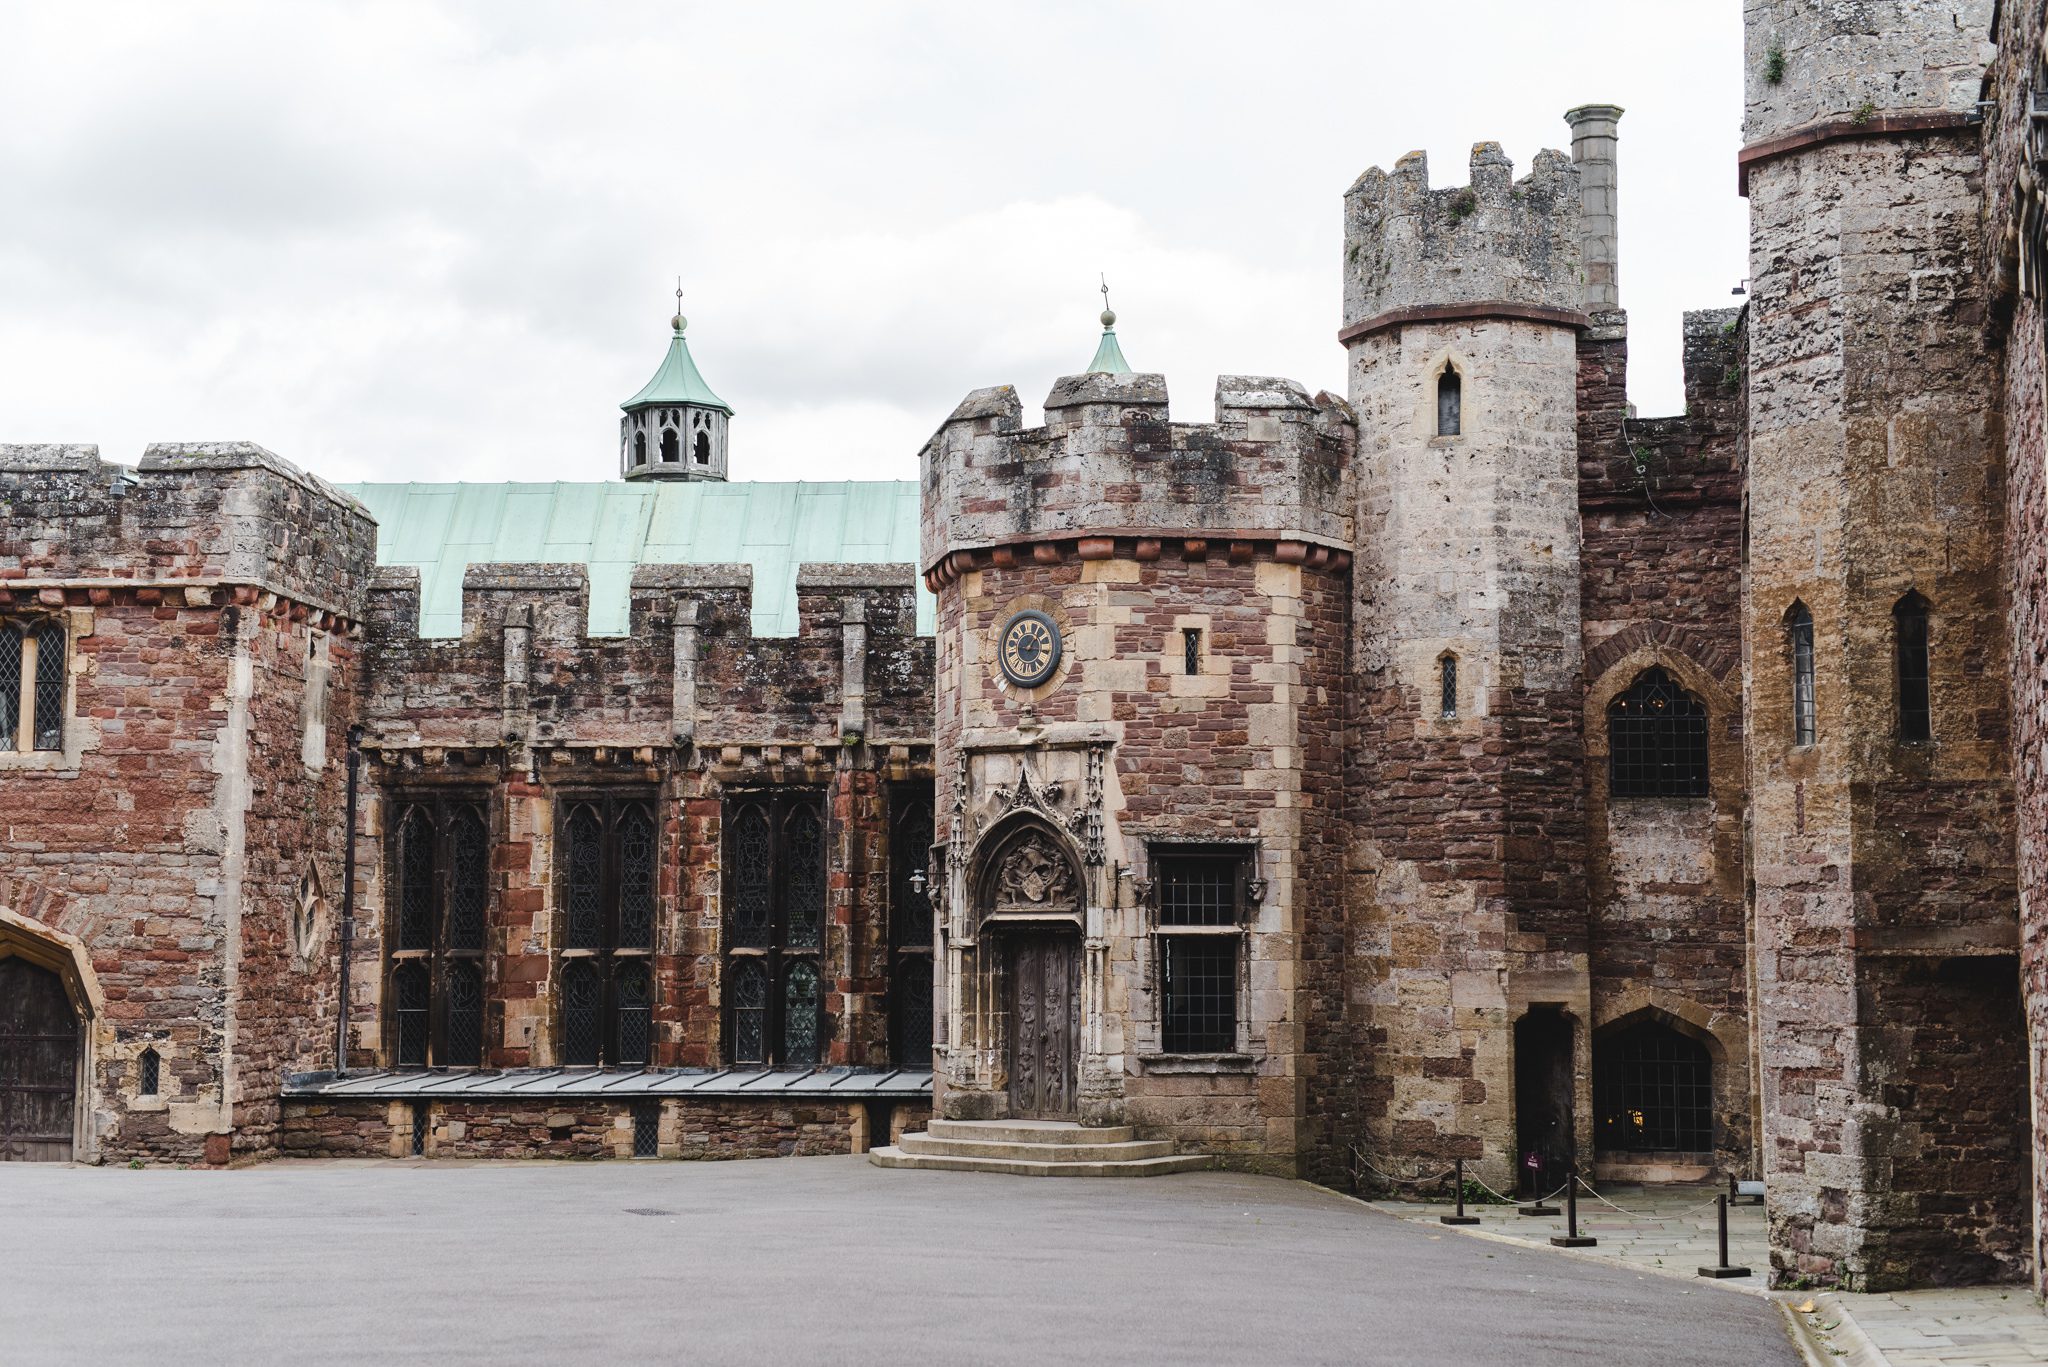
{"x": 1036, "y": 1148}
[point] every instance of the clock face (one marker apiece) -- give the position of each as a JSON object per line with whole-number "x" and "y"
{"x": 1030, "y": 648}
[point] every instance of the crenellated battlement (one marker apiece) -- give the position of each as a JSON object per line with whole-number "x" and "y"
{"x": 1109, "y": 467}
{"x": 1493, "y": 240}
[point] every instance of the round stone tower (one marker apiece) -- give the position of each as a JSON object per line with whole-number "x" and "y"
{"x": 1462, "y": 310}
{"x": 1881, "y": 828}
{"x": 675, "y": 427}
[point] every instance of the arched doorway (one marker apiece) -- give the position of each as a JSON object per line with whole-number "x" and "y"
{"x": 1029, "y": 893}
{"x": 1653, "y": 1091}
{"x": 1543, "y": 1098}
{"x": 39, "y": 1048}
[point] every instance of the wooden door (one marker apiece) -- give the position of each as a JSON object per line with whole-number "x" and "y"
{"x": 1045, "y": 1024}
{"x": 38, "y": 1064}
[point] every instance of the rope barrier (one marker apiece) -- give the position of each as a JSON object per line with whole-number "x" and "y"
{"x": 1362, "y": 1161}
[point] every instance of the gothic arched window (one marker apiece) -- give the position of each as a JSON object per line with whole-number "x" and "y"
{"x": 775, "y": 938}
{"x": 1450, "y": 402}
{"x": 703, "y": 448}
{"x": 670, "y": 449}
{"x": 1656, "y": 740}
{"x": 639, "y": 448}
{"x": 439, "y": 921}
{"x": 610, "y": 874}
{"x": 1911, "y": 656}
{"x": 1799, "y": 645}
{"x": 1447, "y": 686}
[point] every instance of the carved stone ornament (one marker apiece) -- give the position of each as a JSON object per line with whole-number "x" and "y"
{"x": 1034, "y": 877}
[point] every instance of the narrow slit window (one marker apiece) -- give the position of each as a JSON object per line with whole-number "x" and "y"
{"x": 1191, "y": 650}
{"x": 639, "y": 448}
{"x": 647, "y": 1129}
{"x": 1447, "y": 687}
{"x": 1799, "y": 641}
{"x": 1450, "y": 403}
{"x": 1909, "y": 644}
{"x": 150, "y": 1073}
{"x": 420, "y": 1117}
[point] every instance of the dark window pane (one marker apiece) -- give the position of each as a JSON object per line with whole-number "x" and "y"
{"x": 647, "y": 1129}
{"x": 1447, "y": 686}
{"x": 749, "y": 1010}
{"x": 415, "y": 880}
{"x": 10, "y": 684}
{"x": 1450, "y": 403}
{"x": 470, "y": 892}
{"x": 1200, "y": 974}
{"x": 910, "y": 850}
{"x": 910, "y": 1013}
{"x": 465, "y": 1028}
{"x": 800, "y": 1015}
{"x": 753, "y": 875}
{"x": 1799, "y": 636}
{"x": 804, "y": 858}
{"x": 49, "y": 718}
{"x": 1198, "y": 890}
{"x": 636, "y": 1012}
{"x": 1657, "y": 740}
{"x": 150, "y": 1073}
{"x": 1653, "y": 1091}
{"x": 585, "y": 891}
{"x": 409, "y": 1013}
{"x": 636, "y": 878}
{"x": 582, "y": 1014}
{"x": 1909, "y": 632}
{"x": 1191, "y": 650}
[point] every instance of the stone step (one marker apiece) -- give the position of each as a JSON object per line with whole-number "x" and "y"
{"x": 1029, "y": 1132}
{"x": 891, "y": 1157}
{"x": 925, "y": 1145}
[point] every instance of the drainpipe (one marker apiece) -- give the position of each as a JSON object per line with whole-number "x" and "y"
{"x": 348, "y": 896}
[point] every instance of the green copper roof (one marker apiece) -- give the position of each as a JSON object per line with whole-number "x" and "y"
{"x": 677, "y": 381}
{"x": 442, "y": 529}
{"x": 1109, "y": 357}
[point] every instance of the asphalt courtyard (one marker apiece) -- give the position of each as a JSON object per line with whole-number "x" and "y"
{"x": 815, "y": 1260}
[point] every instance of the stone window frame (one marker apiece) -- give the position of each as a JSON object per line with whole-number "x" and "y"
{"x": 1913, "y": 721}
{"x": 610, "y": 958}
{"x": 1803, "y": 674}
{"x": 438, "y": 959}
{"x": 18, "y": 749}
{"x": 1455, "y": 374}
{"x": 1447, "y": 686}
{"x": 1245, "y": 857}
{"x": 1682, "y": 774}
{"x": 777, "y": 958}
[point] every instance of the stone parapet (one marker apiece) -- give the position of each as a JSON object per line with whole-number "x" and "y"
{"x": 1806, "y": 65}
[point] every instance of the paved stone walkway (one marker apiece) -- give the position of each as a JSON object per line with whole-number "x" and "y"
{"x": 825, "y": 1260}
{"x": 1672, "y": 1231}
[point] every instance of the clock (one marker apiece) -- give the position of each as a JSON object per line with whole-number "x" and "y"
{"x": 1030, "y": 650}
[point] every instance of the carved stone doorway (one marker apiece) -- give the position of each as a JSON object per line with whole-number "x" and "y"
{"x": 39, "y": 1043}
{"x": 1043, "y": 974}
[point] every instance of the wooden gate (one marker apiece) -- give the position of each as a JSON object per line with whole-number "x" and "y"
{"x": 1045, "y": 1023}
{"x": 38, "y": 1064}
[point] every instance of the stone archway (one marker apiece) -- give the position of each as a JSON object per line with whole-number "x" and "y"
{"x": 1028, "y": 898}
{"x": 48, "y": 1000}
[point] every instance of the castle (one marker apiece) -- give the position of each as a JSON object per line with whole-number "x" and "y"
{"x": 1462, "y": 767}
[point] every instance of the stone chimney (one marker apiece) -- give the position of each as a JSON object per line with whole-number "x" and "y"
{"x": 1593, "y": 137}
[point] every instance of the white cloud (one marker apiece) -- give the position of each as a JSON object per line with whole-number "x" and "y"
{"x": 434, "y": 241}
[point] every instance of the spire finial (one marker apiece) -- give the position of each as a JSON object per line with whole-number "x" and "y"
{"x": 1108, "y": 317}
{"x": 679, "y": 322}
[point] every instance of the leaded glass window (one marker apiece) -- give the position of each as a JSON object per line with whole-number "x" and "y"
{"x": 1910, "y": 650}
{"x": 1203, "y": 907}
{"x": 1447, "y": 687}
{"x": 1799, "y": 645}
{"x": 33, "y": 657}
{"x": 1656, "y": 740}
{"x": 438, "y": 912}
{"x": 582, "y": 1014}
{"x": 910, "y": 928}
{"x": 610, "y": 876}
{"x": 149, "y": 1071}
{"x": 410, "y": 1000}
{"x": 775, "y": 888}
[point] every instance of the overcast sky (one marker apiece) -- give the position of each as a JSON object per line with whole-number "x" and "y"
{"x": 418, "y": 241}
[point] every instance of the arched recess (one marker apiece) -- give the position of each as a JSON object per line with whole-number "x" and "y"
{"x": 1683, "y": 1101}
{"x": 1026, "y": 869}
{"x": 1724, "y": 758}
{"x": 65, "y": 956}
{"x": 1725, "y": 1037}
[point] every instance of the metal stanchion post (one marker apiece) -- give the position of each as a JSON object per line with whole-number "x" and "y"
{"x": 1723, "y": 1268}
{"x": 1461, "y": 1218}
{"x": 1572, "y": 1238}
{"x": 1539, "y": 1206}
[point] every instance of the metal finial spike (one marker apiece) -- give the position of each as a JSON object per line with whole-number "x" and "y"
{"x": 1108, "y": 317}
{"x": 679, "y": 322}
